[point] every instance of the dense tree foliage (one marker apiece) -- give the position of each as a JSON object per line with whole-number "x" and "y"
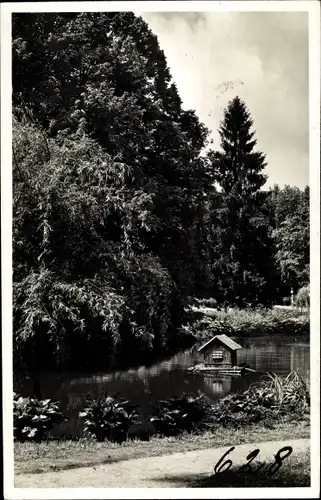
{"x": 73, "y": 262}
{"x": 107, "y": 177}
{"x": 105, "y": 75}
{"x": 292, "y": 235}
{"x": 119, "y": 216}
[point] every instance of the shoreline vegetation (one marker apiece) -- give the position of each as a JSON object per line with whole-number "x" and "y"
{"x": 205, "y": 322}
{"x": 277, "y": 408}
{"x": 248, "y": 322}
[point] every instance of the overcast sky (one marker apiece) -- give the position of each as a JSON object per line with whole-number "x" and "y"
{"x": 268, "y": 53}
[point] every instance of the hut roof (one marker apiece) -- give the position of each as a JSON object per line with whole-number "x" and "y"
{"x": 225, "y": 340}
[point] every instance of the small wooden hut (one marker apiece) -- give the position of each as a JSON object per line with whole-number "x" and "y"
{"x": 220, "y": 352}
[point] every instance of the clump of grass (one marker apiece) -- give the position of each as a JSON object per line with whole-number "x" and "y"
{"x": 288, "y": 394}
{"x": 251, "y": 322}
{"x": 273, "y": 399}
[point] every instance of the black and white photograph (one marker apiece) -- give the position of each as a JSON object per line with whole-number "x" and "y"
{"x": 160, "y": 177}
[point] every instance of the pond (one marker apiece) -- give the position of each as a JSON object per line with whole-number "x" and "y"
{"x": 147, "y": 384}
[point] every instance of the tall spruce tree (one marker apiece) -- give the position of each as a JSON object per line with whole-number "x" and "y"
{"x": 243, "y": 250}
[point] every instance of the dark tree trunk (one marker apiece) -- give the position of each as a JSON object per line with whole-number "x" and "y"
{"x": 36, "y": 371}
{"x": 36, "y": 386}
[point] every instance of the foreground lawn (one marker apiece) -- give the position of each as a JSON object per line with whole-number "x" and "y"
{"x": 49, "y": 456}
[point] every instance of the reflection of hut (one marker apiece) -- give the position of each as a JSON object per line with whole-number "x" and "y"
{"x": 220, "y": 351}
{"x": 217, "y": 386}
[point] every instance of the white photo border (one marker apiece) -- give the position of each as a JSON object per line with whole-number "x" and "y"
{"x": 313, "y": 8}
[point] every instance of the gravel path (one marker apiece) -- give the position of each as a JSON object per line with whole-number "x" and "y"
{"x": 166, "y": 471}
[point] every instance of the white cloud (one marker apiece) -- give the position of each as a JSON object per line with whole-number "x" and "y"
{"x": 266, "y": 51}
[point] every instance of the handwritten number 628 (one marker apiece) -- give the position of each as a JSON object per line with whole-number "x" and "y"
{"x": 225, "y": 466}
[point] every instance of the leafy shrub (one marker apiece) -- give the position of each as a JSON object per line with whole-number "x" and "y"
{"x": 180, "y": 414}
{"x": 302, "y": 298}
{"x": 34, "y": 418}
{"x": 273, "y": 398}
{"x": 108, "y": 418}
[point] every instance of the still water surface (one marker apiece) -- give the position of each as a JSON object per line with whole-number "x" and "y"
{"x": 146, "y": 385}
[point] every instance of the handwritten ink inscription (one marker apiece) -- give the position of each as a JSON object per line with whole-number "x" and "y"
{"x": 279, "y": 458}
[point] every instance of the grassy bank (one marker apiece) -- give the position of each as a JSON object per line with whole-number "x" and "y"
{"x": 250, "y": 322}
{"x": 31, "y": 457}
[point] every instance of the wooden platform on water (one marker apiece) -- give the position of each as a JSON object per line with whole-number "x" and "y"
{"x": 217, "y": 370}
